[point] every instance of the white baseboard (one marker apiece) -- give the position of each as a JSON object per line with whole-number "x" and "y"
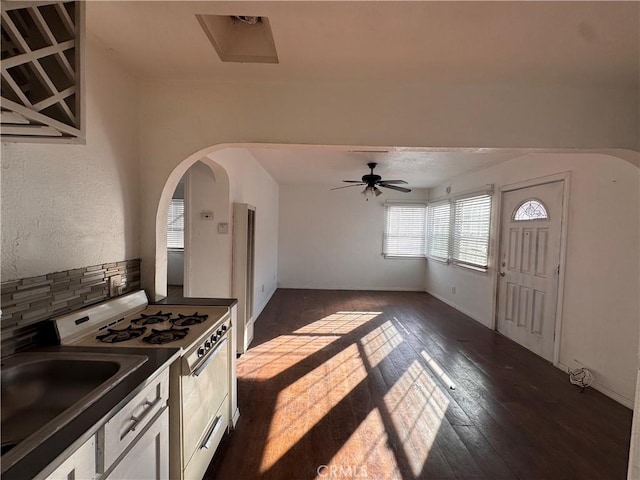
{"x": 627, "y": 402}
{"x": 355, "y": 288}
{"x": 260, "y": 307}
{"x": 460, "y": 309}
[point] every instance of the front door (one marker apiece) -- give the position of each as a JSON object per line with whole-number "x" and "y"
{"x": 529, "y": 264}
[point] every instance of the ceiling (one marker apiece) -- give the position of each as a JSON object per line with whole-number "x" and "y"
{"x": 522, "y": 43}
{"x": 547, "y": 42}
{"x": 329, "y": 166}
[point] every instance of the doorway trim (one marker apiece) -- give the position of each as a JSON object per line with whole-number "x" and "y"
{"x": 564, "y": 177}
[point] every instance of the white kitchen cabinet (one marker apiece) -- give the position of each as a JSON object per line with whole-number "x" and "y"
{"x": 148, "y": 457}
{"x": 132, "y": 444}
{"x": 121, "y": 430}
{"x": 80, "y": 465}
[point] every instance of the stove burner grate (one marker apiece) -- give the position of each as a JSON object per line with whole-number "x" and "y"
{"x": 122, "y": 335}
{"x": 186, "y": 320}
{"x": 151, "y": 319}
{"x": 159, "y": 337}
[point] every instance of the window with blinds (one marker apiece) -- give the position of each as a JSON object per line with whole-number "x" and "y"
{"x": 438, "y": 224}
{"x": 471, "y": 222}
{"x": 404, "y": 233}
{"x": 458, "y": 230}
{"x": 175, "y": 224}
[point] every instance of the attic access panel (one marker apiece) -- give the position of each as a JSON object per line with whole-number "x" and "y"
{"x": 238, "y": 38}
{"x": 41, "y": 89}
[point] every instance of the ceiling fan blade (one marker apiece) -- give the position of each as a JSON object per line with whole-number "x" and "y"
{"x": 347, "y": 186}
{"x": 391, "y": 181}
{"x": 393, "y": 187}
{"x": 352, "y": 181}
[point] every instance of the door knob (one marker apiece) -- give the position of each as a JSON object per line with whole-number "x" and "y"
{"x": 502, "y": 274}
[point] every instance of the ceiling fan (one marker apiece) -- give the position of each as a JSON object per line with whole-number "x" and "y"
{"x": 373, "y": 181}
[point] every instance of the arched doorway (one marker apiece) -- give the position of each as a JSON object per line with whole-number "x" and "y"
{"x": 207, "y": 239}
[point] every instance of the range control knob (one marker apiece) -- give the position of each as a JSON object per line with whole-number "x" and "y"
{"x": 200, "y": 352}
{"x": 214, "y": 337}
{"x": 220, "y": 332}
{"x": 207, "y": 345}
{"x": 224, "y": 328}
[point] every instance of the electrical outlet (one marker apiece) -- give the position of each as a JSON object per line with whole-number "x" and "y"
{"x": 263, "y": 287}
{"x": 453, "y": 290}
{"x": 115, "y": 285}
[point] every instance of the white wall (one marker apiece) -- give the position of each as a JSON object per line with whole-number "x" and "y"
{"x": 602, "y": 278}
{"x": 208, "y": 262}
{"x": 250, "y": 183}
{"x": 179, "y": 120}
{"x": 333, "y": 240}
{"x": 67, "y": 206}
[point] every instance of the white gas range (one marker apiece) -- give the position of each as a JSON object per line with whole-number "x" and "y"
{"x": 202, "y": 403}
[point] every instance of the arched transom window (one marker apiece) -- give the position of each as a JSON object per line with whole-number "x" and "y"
{"x": 530, "y": 210}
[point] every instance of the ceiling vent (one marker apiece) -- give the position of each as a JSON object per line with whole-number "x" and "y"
{"x": 240, "y": 38}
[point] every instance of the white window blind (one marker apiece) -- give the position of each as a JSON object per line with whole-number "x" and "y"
{"x": 471, "y": 223}
{"x": 438, "y": 225}
{"x": 175, "y": 224}
{"x": 404, "y": 233}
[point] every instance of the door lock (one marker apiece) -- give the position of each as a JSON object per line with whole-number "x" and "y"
{"x": 502, "y": 274}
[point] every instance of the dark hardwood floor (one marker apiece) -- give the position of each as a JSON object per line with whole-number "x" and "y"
{"x": 350, "y": 384}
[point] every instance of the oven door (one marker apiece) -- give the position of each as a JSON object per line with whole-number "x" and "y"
{"x": 204, "y": 389}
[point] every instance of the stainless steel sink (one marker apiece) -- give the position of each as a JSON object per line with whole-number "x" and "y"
{"x": 43, "y": 391}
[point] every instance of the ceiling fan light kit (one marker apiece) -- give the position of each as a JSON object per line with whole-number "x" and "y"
{"x": 372, "y": 182}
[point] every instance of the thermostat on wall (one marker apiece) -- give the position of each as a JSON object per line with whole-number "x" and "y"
{"x": 223, "y": 228}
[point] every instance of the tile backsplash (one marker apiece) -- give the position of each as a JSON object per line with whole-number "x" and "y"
{"x": 28, "y": 301}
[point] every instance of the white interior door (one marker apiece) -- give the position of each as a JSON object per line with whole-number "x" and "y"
{"x": 530, "y": 234}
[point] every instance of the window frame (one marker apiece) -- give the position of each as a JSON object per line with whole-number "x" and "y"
{"x": 389, "y": 206}
{"x": 429, "y": 231}
{"x": 454, "y": 226}
{"x": 536, "y": 219}
{"x": 170, "y": 246}
{"x": 458, "y": 225}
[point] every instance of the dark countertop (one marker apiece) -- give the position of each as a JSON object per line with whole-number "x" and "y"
{"x": 193, "y": 301}
{"x": 41, "y": 456}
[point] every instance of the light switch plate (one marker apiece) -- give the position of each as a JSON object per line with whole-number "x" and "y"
{"x": 223, "y": 228}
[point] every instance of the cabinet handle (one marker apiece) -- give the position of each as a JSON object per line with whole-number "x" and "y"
{"x": 137, "y": 420}
{"x": 212, "y": 431}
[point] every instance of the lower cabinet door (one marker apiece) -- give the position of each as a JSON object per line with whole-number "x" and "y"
{"x": 148, "y": 456}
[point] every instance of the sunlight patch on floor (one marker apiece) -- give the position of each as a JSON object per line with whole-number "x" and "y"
{"x": 302, "y": 405}
{"x": 339, "y": 323}
{"x": 271, "y": 358}
{"x": 366, "y": 451}
{"x": 380, "y": 342}
{"x": 278, "y": 355}
{"x": 417, "y": 407}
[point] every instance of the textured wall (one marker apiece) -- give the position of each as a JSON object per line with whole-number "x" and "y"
{"x": 68, "y": 206}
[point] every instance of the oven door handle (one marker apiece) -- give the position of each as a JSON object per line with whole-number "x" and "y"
{"x": 209, "y": 358}
{"x": 211, "y": 433}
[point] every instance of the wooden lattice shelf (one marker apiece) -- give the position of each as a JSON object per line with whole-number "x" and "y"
{"x": 42, "y": 81}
